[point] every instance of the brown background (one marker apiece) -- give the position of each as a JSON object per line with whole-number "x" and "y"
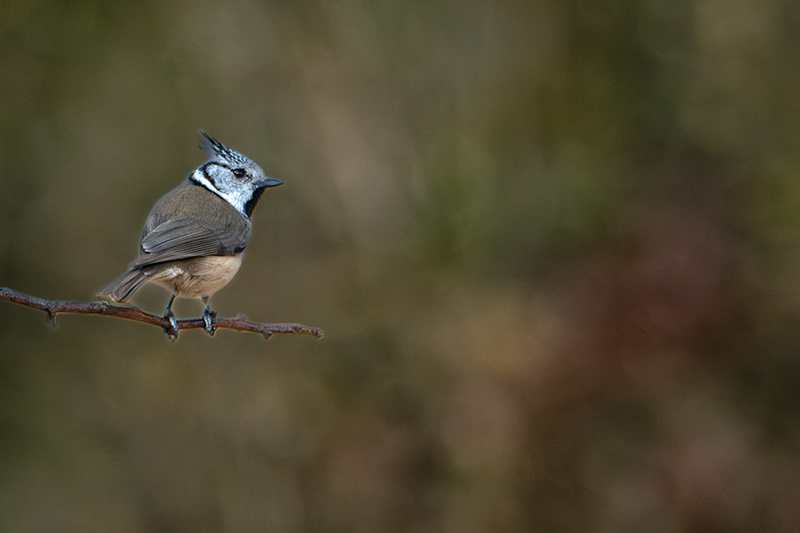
{"x": 554, "y": 246}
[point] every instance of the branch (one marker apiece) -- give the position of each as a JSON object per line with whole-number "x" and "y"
{"x": 134, "y": 313}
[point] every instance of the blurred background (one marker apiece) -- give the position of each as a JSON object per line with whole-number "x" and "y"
{"x": 554, "y": 247}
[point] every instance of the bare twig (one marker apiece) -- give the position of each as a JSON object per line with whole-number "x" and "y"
{"x": 240, "y": 323}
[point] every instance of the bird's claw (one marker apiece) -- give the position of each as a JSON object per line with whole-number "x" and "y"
{"x": 210, "y": 320}
{"x": 172, "y": 330}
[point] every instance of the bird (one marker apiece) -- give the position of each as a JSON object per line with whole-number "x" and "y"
{"x": 196, "y": 235}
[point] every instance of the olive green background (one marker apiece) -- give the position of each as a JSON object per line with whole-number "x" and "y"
{"x": 554, "y": 246}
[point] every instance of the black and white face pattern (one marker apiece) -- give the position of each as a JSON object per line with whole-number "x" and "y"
{"x": 232, "y": 176}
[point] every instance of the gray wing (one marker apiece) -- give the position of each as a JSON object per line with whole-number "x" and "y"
{"x": 183, "y": 238}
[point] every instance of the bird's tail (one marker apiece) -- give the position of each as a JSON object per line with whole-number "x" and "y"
{"x": 124, "y": 286}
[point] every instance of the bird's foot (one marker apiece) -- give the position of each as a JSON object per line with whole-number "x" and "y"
{"x": 210, "y": 320}
{"x": 171, "y": 331}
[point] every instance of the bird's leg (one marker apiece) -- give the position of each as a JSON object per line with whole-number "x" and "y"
{"x": 172, "y": 330}
{"x": 209, "y": 317}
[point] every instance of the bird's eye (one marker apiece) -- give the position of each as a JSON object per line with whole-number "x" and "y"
{"x": 239, "y": 172}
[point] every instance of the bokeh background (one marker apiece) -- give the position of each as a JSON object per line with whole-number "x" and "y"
{"x": 554, "y": 246}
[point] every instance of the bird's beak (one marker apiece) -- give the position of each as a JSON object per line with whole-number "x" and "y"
{"x": 268, "y": 182}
